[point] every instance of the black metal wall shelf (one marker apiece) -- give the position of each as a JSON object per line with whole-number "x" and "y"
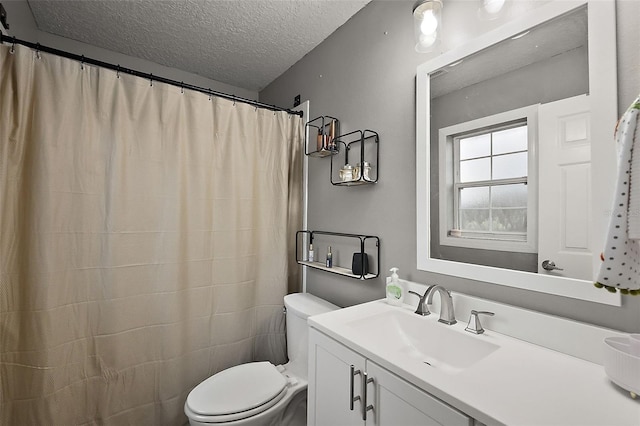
{"x": 323, "y": 130}
{"x": 347, "y": 272}
{"x": 366, "y": 145}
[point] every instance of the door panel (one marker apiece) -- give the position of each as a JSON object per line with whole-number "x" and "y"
{"x": 565, "y": 187}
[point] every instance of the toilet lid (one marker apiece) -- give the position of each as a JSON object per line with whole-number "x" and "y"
{"x": 236, "y": 389}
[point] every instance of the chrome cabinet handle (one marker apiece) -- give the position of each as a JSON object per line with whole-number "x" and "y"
{"x": 365, "y": 381}
{"x": 550, "y": 265}
{"x": 353, "y": 399}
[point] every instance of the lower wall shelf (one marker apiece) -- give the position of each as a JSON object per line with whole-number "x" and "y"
{"x": 336, "y": 270}
{"x": 361, "y": 251}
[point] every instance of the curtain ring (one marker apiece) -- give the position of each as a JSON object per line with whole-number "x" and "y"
{"x": 118, "y": 71}
{"x": 82, "y": 63}
{"x": 151, "y": 80}
{"x": 234, "y": 100}
{"x": 210, "y": 93}
{"x": 38, "y": 51}
{"x": 182, "y": 87}
{"x": 13, "y": 47}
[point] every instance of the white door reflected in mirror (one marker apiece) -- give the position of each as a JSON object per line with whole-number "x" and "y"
{"x": 565, "y": 198}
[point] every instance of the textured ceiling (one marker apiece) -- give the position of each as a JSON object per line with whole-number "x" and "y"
{"x": 245, "y": 43}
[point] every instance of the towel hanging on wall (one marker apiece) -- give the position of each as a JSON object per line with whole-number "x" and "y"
{"x": 620, "y": 269}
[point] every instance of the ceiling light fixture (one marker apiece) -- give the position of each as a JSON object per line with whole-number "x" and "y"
{"x": 427, "y": 22}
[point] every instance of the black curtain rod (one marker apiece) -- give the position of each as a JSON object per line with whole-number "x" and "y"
{"x": 151, "y": 77}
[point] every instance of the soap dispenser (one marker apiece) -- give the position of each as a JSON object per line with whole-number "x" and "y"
{"x": 395, "y": 289}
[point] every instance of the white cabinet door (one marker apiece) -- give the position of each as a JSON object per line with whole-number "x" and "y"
{"x": 330, "y": 383}
{"x": 399, "y": 403}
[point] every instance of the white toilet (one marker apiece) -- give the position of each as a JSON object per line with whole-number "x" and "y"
{"x": 260, "y": 393}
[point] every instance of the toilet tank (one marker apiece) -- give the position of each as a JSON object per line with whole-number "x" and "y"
{"x": 301, "y": 306}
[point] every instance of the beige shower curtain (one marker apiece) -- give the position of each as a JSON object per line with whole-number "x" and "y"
{"x": 146, "y": 240}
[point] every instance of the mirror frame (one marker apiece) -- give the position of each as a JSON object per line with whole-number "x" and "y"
{"x": 603, "y": 93}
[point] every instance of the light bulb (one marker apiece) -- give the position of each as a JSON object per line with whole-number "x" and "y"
{"x": 429, "y": 23}
{"x": 427, "y": 40}
{"x": 492, "y": 6}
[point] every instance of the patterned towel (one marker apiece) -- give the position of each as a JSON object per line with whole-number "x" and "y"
{"x": 621, "y": 256}
{"x": 634, "y": 190}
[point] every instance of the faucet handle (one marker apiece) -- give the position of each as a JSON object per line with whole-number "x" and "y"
{"x": 474, "y": 325}
{"x": 422, "y": 308}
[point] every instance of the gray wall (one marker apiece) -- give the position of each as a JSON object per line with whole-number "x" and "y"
{"x": 24, "y": 27}
{"x": 364, "y": 74}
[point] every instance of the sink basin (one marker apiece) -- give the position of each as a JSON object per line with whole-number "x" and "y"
{"x": 447, "y": 348}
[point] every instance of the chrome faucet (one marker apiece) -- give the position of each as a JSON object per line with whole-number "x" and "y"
{"x": 446, "y": 304}
{"x": 422, "y": 308}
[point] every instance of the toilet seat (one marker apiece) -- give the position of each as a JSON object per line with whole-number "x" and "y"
{"x": 237, "y": 393}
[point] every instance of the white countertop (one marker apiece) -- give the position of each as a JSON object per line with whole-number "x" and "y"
{"x": 519, "y": 384}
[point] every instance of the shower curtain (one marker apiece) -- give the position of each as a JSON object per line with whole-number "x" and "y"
{"x": 147, "y": 238}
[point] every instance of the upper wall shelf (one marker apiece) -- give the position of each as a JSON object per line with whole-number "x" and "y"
{"x": 356, "y": 153}
{"x": 320, "y": 134}
{"x": 357, "y": 158}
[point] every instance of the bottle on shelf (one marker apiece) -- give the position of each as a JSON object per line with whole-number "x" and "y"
{"x": 346, "y": 173}
{"x": 321, "y": 140}
{"x": 310, "y": 253}
{"x": 362, "y": 172}
{"x": 332, "y": 136}
{"x": 329, "y": 263}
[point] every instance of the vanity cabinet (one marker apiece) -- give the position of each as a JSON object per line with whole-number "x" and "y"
{"x": 342, "y": 383}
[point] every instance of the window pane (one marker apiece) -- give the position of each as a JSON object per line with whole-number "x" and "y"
{"x": 509, "y": 195}
{"x": 474, "y": 197}
{"x": 474, "y": 220}
{"x": 510, "y": 166}
{"x": 474, "y": 170}
{"x": 510, "y": 140}
{"x": 509, "y": 220}
{"x": 475, "y": 146}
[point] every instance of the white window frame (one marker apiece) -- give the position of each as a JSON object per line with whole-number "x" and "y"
{"x": 448, "y": 199}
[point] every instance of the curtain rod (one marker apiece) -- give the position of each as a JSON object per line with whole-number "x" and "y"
{"x": 83, "y": 59}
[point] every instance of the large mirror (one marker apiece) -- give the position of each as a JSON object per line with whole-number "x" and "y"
{"x": 515, "y": 166}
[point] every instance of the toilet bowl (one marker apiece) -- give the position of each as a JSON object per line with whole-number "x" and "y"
{"x": 260, "y": 393}
{"x": 256, "y": 393}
